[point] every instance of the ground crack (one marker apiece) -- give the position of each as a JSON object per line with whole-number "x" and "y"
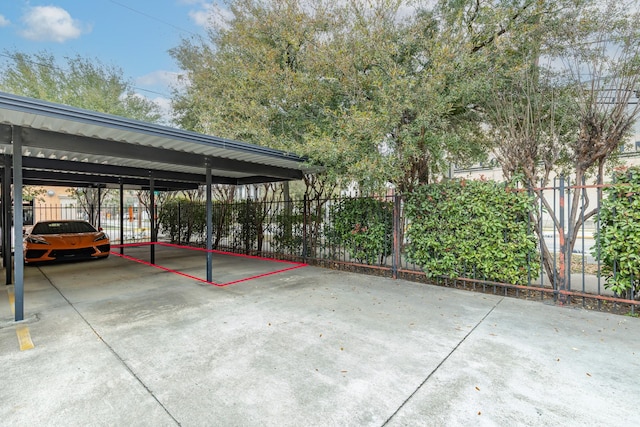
{"x": 441, "y": 363}
{"x": 115, "y": 354}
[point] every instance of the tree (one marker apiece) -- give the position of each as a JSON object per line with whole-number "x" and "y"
{"x": 80, "y": 82}
{"x": 89, "y": 199}
{"x": 420, "y": 97}
{"x": 385, "y": 91}
{"x": 31, "y": 193}
{"x": 352, "y": 86}
{"x": 576, "y": 111}
{"x": 144, "y": 198}
{"x": 253, "y": 79}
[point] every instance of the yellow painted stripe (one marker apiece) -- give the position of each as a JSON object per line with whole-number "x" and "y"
{"x": 24, "y": 338}
{"x": 12, "y": 300}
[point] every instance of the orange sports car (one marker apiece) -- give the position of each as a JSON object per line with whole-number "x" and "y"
{"x": 64, "y": 240}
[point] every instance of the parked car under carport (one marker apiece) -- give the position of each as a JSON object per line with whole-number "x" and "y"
{"x": 64, "y": 240}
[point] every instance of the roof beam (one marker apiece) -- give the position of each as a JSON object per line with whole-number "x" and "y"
{"x": 120, "y": 150}
{"x": 34, "y": 177}
{"x": 102, "y": 169}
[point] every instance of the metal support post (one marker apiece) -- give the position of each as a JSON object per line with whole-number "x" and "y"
{"x": 152, "y": 219}
{"x": 18, "y": 254}
{"x": 397, "y": 236}
{"x": 121, "y": 216}
{"x": 98, "y": 223}
{"x": 209, "y": 226}
{"x": 7, "y": 221}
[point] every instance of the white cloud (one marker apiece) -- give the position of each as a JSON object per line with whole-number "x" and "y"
{"x": 158, "y": 78}
{"x": 165, "y": 108}
{"x": 208, "y": 13}
{"x": 199, "y": 17}
{"x": 164, "y": 104}
{"x": 4, "y": 21}
{"x": 50, "y": 23}
{"x": 160, "y": 81}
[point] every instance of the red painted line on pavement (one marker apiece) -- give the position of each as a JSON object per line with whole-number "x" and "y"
{"x": 295, "y": 264}
{"x": 214, "y": 251}
{"x": 263, "y": 275}
{"x": 130, "y": 258}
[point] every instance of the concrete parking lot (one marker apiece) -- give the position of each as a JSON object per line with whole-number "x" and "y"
{"x": 117, "y": 342}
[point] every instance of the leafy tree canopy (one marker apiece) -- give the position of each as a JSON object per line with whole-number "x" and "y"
{"x": 368, "y": 91}
{"x": 78, "y": 81}
{"x": 397, "y": 90}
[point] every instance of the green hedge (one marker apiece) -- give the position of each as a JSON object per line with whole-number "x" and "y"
{"x": 288, "y": 232}
{"x": 187, "y": 220}
{"x": 618, "y": 237}
{"x": 363, "y": 227}
{"x": 475, "y": 229}
{"x": 182, "y": 219}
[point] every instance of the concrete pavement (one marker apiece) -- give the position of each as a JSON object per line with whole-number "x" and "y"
{"x": 121, "y": 343}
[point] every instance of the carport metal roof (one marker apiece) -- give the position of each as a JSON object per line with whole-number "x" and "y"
{"x": 63, "y": 145}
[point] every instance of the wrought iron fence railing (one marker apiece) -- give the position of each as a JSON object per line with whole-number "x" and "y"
{"x": 333, "y": 233}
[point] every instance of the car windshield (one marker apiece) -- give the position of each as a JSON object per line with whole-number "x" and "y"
{"x": 63, "y": 227}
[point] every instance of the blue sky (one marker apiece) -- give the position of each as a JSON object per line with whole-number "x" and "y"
{"x": 134, "y": 35}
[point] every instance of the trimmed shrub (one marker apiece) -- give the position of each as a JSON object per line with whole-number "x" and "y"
{"x": 475, "y": 229}
{"x": 182, "y": 219}
{"x": 618, "y": 238}
{"x": 363, "y": 227}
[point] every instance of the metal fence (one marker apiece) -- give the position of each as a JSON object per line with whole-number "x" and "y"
{"x": 315, "y": 231}
{"x": 135, "y": 222}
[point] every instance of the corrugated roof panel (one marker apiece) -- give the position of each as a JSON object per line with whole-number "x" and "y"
{"x": 63, "y": 119}
{"x": 244, "y": 160}
{"x": 43, "y": 116}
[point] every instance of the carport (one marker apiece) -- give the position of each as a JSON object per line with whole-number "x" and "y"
{"x": 66, "y": 146}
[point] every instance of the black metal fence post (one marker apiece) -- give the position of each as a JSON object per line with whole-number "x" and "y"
{"x": 121, "y": 217}
{"x": 98, "y": 222}
{"x": 397, "y": 235}
{"x": 305, "y": 218}
{"x": 562, "y": 269}
{"x": 179, "y": 222}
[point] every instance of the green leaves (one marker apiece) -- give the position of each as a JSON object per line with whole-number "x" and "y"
{"x": 185, "y": 220}
{"x": 363, "y": 227}
{"x": 373, "y": 97}
{"x": 182, "y": 219}
{"x": 79, "y": 82}
{"x": 472, "y": 229}
{"x": 618, "y": 237}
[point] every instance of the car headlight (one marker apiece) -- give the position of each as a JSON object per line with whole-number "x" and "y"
{"x": 36, "y": 240}
{"x": 100, "y": 237}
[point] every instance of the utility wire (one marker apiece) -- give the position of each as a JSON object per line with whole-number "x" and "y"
{"x": 140, "y": 13}
{"x": 62, "y": 70}
{"x": 153, "y": 18}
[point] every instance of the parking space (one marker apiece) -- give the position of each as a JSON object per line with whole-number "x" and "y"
{"x": 228, "y": 268}
{"x": 119, "y": 343}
